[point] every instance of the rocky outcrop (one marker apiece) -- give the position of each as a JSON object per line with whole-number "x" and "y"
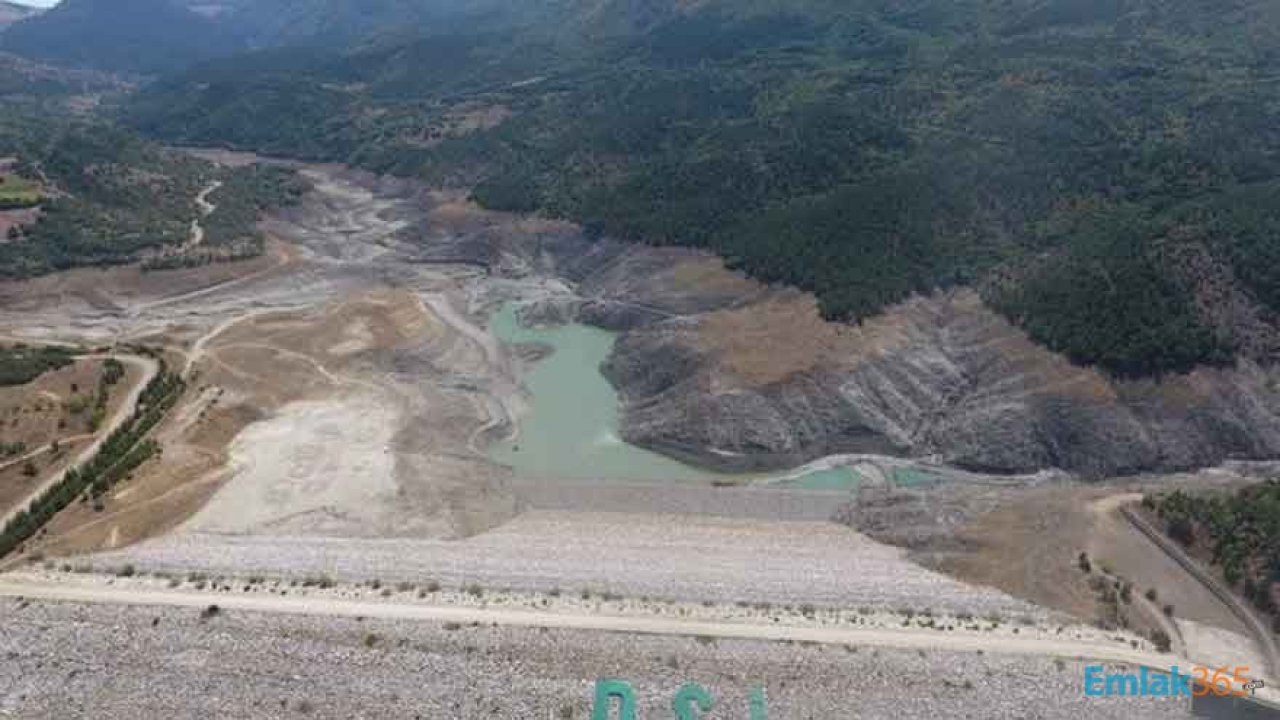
{"x": 726, "y": 372}
{"x": 947, "y": 379}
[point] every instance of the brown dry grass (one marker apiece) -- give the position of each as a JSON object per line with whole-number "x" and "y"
{"x": 452, "y": 211}
{"x": 103, "y": 288}
{"x": 707, "y": 274}
{"x": 784, "y": 334}
{"x": 1029, "y": 548}
{"x": 164, "y": 492}
{"x": 453, "y": 208}
{"x": 36, "y": 415}
{"x": 1040, "y": 371}
{"x": 769, "y": 341}
{"x": 31, "y": 413}
{"x": 249, "y": 371}
{"x": 282, "y": 357}
{"x": 16, "y": 218}
{"x": 16, "y": 487}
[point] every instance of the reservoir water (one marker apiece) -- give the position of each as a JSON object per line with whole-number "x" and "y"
{"x": 571, "y": 428}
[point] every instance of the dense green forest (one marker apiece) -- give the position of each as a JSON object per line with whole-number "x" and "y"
{"x": 21, "y": 77}
{"x": 118, "y": 195}
{"x": 230, "y": 231}
{"x": 1048, "y": 152}
{"x": 152, "y": 37}
{"x": 113, "y": 198}
{"x": 1240, "y": 531}
{"x": 138, "y": 36}
{"x": 241, "y": 199}
{"x": 20, "y": 364}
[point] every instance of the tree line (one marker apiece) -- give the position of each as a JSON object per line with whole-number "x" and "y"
{"x": 1239, "y": 530}
{"x": 124, "y": 450}
{"x": 864, "y": 151}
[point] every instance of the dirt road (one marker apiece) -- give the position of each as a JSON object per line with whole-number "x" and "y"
{"x": 206, "y": 209}
{"x": 905, "y": 638}
{"x": 149, "y": 369}
{"x": 1262, "y": 635}
{"x": 32, "y": 455}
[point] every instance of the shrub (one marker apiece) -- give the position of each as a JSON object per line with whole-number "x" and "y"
{"x": 1161, "y": 640}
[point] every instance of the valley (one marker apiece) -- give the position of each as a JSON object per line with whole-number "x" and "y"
{"x": 446, "y": 360}
{"x": 356, "y": 396}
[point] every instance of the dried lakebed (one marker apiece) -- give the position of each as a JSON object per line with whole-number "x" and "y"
{"x": 359, "y": 389}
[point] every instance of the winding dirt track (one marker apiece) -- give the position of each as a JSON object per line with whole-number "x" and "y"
{"x": 206, "y": 209}
{"x": 149, "y": 370}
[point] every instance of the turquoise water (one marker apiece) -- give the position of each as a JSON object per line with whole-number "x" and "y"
{"x": 838, "y": 478}
{"x": 913, "y": 477}
{"x": 571, "y": 428}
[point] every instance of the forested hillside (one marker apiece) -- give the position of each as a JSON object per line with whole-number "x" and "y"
{"x": 272, "y": 23}
{"x": 109, "y": 197}
{"x": 1105, "y": 172}
{"x": 155, "y": 37}
{"x": 137, "y": 36}
{"x": 24, "y": 80}
{"x": 11, "y": 13}
{"x": 1238, "y": 532}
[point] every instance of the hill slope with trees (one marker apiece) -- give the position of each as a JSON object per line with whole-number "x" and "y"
{"x": 1104, "y": 172}
{"x": 109, "y": 197}
{"x": 1239, "y": 533}
{"x": 137, "y": 36}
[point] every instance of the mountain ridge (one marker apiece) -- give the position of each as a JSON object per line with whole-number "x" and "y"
{"x": 1068, "y": 159}
{"x": 12, "y": 12}
{"x": 135, "y": 36}
{"x": 1101, "y": 173}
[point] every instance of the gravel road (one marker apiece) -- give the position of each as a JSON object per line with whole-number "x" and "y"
{"x": 903, "y": 638}
{"x": 68, "y": 660}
